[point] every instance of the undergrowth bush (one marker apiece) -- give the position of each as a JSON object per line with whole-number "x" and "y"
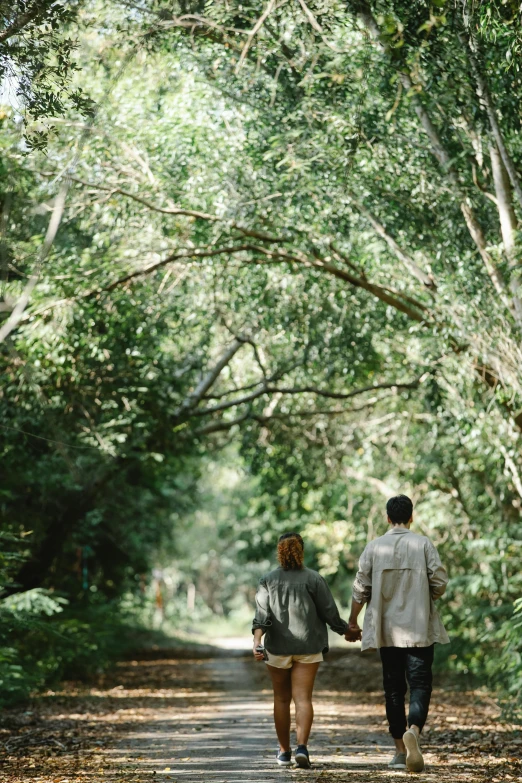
{"x": 506, "y": 668}
{"x": 45, "y": 638}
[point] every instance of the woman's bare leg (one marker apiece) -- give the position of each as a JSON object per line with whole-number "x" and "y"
{"x": 282, "y": 685}
{"x": 303, "y": 677}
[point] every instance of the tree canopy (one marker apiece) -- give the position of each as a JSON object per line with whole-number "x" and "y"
{"x": 275, "y": 243}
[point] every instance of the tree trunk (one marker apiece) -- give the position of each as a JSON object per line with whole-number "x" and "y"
{"x": 508, "y": 220}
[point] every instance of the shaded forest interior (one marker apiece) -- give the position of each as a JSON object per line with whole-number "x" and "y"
{"x": 260, "y": 270}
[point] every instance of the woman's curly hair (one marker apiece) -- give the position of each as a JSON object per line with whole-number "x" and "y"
{"x": 290, "y": 551}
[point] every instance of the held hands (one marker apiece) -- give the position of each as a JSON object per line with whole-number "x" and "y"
{"x": 353, "y": 633}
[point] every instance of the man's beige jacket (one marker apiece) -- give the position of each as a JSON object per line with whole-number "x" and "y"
{"x": 400, "y": 574}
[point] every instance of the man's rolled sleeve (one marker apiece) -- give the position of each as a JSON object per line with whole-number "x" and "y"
{"x": 437, "y": 574}
{"x": 262, "y": 617}
{"x": 362, "y": 587}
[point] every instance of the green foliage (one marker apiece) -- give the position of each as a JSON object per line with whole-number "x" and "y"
{"x": 44, "y": 640}
{"x": 507, "y": 672}
{"x": 280, "y": 292}
{"x": 37, "y": 64}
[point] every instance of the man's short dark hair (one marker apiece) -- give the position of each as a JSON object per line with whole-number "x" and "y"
{"x": 399, "y": 509}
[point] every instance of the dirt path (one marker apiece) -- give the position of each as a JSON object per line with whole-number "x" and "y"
{"x": 189, "y": 718}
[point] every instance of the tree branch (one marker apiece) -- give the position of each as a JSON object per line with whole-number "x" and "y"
{"x": 365, "y": 15}
{"x": 358, "y": 282}
{"x": 185, "y": 255}
{"x": 220, "y": 426}
{"x": 180, "y": 211}
{"x": 267, "y": 389}
{"x": 495, "y": 275}
{"x": 508, "y": 221}
{"x": 424, "y": 278}
{"x": 21, "y": 21}
{"x": 251, "y": 33}
{"x": 504, "y": 201}
{"x": 414, "y": 312}
{"x": 273, "y": 378}
{"x": 208, "y": 380}
{"x": 471, "y": 46}
{"x": 52, "y": 229}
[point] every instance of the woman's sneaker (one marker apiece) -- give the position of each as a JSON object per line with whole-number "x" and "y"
{"x": 302, "y": 759}
{"x": 398, "y": 761}
{"x": 284, "y": 758}
{"x": 414, "y": 760}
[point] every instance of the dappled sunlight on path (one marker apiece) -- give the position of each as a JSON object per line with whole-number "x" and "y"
{"x": 187, "y": 717}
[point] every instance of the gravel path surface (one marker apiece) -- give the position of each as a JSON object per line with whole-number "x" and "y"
{"x": 186, "y": 717}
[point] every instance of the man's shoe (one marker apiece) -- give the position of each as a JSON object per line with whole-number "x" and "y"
{"x": 302, "y": 759}
{"x": 284, "y": 758}
{"x": 414, "y": 760}
{"x": 398, "y": 761}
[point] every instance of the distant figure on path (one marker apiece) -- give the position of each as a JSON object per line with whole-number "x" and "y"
{"x": 400, "y": 576}
{"x": 293, "y": 607}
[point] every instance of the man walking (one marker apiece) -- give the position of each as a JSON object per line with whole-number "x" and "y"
{"x": 400, "y": 576}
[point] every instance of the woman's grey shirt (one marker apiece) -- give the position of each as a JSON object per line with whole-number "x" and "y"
{"x": 293, "y": 608}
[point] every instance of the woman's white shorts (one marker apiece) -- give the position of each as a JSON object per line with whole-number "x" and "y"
{"x": 287, "y": 661}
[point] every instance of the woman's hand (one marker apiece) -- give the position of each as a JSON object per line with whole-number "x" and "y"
{"x": 257, "y": 655}
{"x": 353, "y": 632}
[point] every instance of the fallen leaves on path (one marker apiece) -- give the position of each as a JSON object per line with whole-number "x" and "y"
{"x": 80, "y": 734}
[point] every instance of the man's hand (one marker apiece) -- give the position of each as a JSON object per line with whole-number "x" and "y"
{"x": 257, "y": 655}
{"x": 354, "y": 633}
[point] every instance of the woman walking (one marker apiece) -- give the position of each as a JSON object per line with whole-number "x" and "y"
{"x": 293, "y": 607}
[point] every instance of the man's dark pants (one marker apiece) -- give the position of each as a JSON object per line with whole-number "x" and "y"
{"x": 411, "y": 665}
